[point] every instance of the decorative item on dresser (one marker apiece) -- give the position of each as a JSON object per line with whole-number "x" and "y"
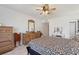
{"x": 17, "y": 38}
{"x": 31, "y": 35}
{"x": 6, "y": 39}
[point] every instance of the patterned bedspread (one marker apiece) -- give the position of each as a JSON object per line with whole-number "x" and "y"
{"x": 55, "y": 46}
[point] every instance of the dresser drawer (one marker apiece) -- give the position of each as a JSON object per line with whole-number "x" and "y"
{"x": 6, "y": 35}
{"x": 2, "y": 29}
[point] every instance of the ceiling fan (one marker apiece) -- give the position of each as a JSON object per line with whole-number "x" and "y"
{"x": 46, "y": 9}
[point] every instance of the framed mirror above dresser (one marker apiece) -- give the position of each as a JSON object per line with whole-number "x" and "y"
{"x": 31, "y": 25}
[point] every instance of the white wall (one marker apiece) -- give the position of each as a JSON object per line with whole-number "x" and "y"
{"x": 18, "y": 20}
{"x": 63, "y": 21}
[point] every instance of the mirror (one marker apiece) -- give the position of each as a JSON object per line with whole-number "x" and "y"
{"x": 31, "y": 25}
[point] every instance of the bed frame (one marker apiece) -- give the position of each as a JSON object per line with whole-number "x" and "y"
{"x": 32, "y": 52}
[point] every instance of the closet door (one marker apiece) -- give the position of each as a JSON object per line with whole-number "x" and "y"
{"x": 72, "y": 28}
{"x": 45, "y": 29}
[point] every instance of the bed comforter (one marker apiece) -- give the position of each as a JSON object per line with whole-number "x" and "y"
{"x": 55, "y": 46}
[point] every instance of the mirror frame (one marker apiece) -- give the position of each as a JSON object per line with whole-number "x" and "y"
{"x": 32, "y": 27}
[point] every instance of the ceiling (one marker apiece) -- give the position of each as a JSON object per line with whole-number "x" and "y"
{"x": 30, "y": 9}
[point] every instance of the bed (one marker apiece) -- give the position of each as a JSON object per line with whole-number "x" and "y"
{"x": 53, "y": 46}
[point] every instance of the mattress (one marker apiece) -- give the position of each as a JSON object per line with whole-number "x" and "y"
{"x": 54, "y": 46}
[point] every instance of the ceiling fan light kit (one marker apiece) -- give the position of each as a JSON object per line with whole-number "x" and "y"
{"x": 46, "y": 9}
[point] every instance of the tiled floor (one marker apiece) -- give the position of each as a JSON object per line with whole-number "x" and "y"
{"x": 20, "y": 50}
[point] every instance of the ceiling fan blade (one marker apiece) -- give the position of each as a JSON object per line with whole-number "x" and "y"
{"x": 48, "y": 13}
{"x": 53, "y": 8}
{"x": 41, "y": 13}
{"x": 37, "y": 9}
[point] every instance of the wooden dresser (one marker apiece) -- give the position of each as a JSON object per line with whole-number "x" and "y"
{"x": 30, "y": 36}
{"x": 6, "y": 39}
